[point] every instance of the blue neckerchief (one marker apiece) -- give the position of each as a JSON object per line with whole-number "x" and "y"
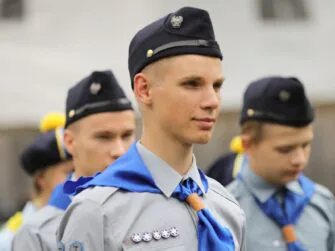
{"x": 58, "y": 198}
{"x": 130, "y": 173}
{"x": 293, "y": 207}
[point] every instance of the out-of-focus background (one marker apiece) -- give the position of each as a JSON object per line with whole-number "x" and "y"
{"x": 46, "y": 46}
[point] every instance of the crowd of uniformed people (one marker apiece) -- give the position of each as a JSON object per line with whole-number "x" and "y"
{"x": 98, "y": 189}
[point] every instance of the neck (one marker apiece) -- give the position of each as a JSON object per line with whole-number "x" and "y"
{"x": 177, "y": 154}
{"x": 79, "y": 170}
{"x": 77, "y": 173}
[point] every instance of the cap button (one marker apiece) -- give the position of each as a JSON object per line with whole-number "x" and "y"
{"x": 250, "y": 112}
{"x": 150, "y": 53}
{"x": 71, "y": 113}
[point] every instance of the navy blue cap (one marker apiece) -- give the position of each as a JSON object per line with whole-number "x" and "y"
{"x": 277, "y": 100}
{"x": 187, "y": 31}
{"x": 46, "y": 150}
{"x": 99, "y": 92}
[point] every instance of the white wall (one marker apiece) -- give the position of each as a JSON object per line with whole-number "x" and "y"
{"x": 61, "y": 41}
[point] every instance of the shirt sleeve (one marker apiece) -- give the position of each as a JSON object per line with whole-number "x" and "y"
{"x": 82, "y": 227}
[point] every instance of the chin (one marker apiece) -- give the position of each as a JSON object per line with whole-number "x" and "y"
{"x": 201, "y": 138}
{"x": 289, "y": 179}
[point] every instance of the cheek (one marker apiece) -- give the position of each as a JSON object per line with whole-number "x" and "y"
{"x": 97, "y": 151}
{"x": 175, "y": 104}
{"x": 308, "y": 152}
{"x": 87, "y": 152}
{"x": 269, "y": 159}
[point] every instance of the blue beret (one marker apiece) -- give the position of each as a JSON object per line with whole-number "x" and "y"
{"x": 186, "y": 31}
{"x": 99, "y": 92}
{"x": 47, "y": 149}
{"x": 277, "y": 100}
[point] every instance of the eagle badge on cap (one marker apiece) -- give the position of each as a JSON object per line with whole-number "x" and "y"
{"x": 95, "y": 88}
{"x": 176, "y": 21}
{"x": 284, "y": 96}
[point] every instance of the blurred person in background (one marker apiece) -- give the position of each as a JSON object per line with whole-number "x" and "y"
{"x": 285, "y": 210}
{"x": 47, "y": 162}
{"x": 100, "y": 127}
{"x": 227, "y": 167}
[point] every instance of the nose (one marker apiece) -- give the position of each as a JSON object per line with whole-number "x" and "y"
{"x": 211, "y": 99}
{"x": 117, "y": 149}
{"x": 299, "y": 158}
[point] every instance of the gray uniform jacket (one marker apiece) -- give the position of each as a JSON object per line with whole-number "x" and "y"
{"x": 106, "y": 218}
{"x": 39, "y": 232}
{"x": 315, "y": 228}
{"x": 7, "y": 234}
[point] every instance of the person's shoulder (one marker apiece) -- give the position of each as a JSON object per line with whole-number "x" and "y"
{"x": 86, "y": 210}
{"x": 323, "y": 198}
{"x": 42, "y": 217}
{"x": 224, "y": 203}
{"x": 323, "y": 202}
{"x": 217, "y": 188}
{"x": 96, "y": 196}
{"x": 237, "y": 188}
{"x": 324, "y": 192}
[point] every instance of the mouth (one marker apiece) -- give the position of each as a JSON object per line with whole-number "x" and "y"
{"x": 295, "y": 172}
{"x": 206, "y": 123}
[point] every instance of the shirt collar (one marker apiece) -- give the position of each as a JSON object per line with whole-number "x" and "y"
{"x": 72, "y": 177}
{"x": 295, "y": 187}
{"x": 29, "y": 209}
{"x": 194, "y": 174}
{"x": 263, "y": 190}
{"x": 165, "y": 177}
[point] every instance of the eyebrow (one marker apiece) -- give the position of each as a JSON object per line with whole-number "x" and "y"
{"x": 123, "y": 131}
{"x": 199, "y": 78}
{"x": 295, "y": 145}
{"x": 220, "y": 80}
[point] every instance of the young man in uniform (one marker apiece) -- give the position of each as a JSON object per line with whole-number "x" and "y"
{"x": 47, "y": 162}
{"x": 154, "y": 197}
{"x": 285, "y": 210}
{"x": 100, "y": 127}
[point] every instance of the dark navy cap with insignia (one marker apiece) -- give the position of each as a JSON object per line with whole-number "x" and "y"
{"x": 99, "y": 92}
{"x": 47, "y": 149}
{"x": 277, "y": 100}
{"x": 187, "y": 31}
